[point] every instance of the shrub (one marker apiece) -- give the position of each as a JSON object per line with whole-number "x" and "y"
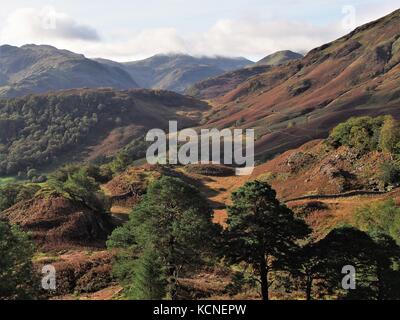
{"x": 390, "y": 173}
{"x": 12, "y": 193}
{"x": 361, "y": 133}
{"x": 390, "y": 136}
{"x": 380, "y": 218}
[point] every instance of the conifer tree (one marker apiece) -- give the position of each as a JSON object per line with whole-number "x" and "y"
{"x": 261, "y": 231}
{"x": 149, "y": 281}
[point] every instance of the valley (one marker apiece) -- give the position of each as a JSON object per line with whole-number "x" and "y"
{"x": 77, "y": 193}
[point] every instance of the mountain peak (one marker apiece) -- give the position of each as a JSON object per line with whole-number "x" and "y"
{"x": 279, "y": 57}
{"x": 177, "y": 71}
{"x": 41, "y": 68}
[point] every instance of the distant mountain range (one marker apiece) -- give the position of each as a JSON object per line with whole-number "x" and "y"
{"x": 37, "y": 69}
{"x": 34, "y": 69}
{"x": 177, "y": 72}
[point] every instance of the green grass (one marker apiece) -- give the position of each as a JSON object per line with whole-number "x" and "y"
{"x": 7, "y": 180}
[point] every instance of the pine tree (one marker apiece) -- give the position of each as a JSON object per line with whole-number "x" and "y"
{"x": 149, "y": 281}
{"x": 176, "y": 221}
{"x": 261, "y": 231}
{"x": 16, "y": 271}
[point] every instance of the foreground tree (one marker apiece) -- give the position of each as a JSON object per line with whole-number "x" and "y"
{"x": 16, "y": 271}
{"x": 261, "y": 231}
{"x": 386, "y": 257}
{"x": 309, "y": 267}
{"x": 149, "y": 280}
{"x": 374, "y": 260}
{"x": 176, "y": 222}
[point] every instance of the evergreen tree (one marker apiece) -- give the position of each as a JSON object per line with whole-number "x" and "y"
{"x": 261, "y": 231}
{"x": 176, "y": 221}
{"x": 386, "y": 256}
{"x": 309, "y": 267}
{"x": 374, "y": 259}
{"x": 16, "y": 272}
{"x": 149, "y": 281}
{"x": 77, "y": 185}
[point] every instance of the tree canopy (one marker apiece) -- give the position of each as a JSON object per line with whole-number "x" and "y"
{"x": 175, "y": 222}
{"x": 261, "y": 231}
{"x": 16, "y": 271}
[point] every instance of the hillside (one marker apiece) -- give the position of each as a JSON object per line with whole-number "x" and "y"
{"x": 220, "y": 85}
{"x": 280, "y": 57}
{"x": 323, "y": 182}
{"x": 306, "y": 178}
{"x": 177, "y": 72}
{"x": 74, "y": 125}
{"x": 288, "y": 105}
{"x": 38, "y": 69}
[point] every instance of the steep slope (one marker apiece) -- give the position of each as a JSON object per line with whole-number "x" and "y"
{"x": 38, "y": 69}
{"x": 84, "y": 124}
{"x": 220, "y": 85}
{"x": 288, "y": 105}
{"x": 178, "y": 72}
{"x": 280, "y": 57}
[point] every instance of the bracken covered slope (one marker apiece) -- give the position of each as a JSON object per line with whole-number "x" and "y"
{"x": 358, "y": 74}
{"x": 280, "y": 57}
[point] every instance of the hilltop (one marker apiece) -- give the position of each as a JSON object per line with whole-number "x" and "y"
{"x": 41, "y": 68}
{"x": 280, "y": 57}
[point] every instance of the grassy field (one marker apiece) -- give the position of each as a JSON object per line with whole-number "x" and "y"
{"x": 7, "y": 180}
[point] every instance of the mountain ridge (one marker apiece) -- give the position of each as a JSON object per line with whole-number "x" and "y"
{"x": 176, "y": 72}
{"x": 216, "y": 86}
{"x": 279, "y": 57}
{"x": 302, "y": 100}
{"x": 31, "y": 69}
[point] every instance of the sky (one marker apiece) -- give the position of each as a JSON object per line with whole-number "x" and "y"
{"x": 127, "y": 30}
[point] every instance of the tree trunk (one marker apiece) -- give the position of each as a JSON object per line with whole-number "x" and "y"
{"x": 380, "y": 284}
{"x": 172, "y": 271}
{"x": 264, "y": 279}
{"x": 309, "y": 287}
{"x": 171, "y": 279}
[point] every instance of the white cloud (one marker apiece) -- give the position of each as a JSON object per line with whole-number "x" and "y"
{"x": 28, "y": 25}
{"x": 251, "y": 36}
{"x": 126, "y": 45}
{"x": 259, "y": 38}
